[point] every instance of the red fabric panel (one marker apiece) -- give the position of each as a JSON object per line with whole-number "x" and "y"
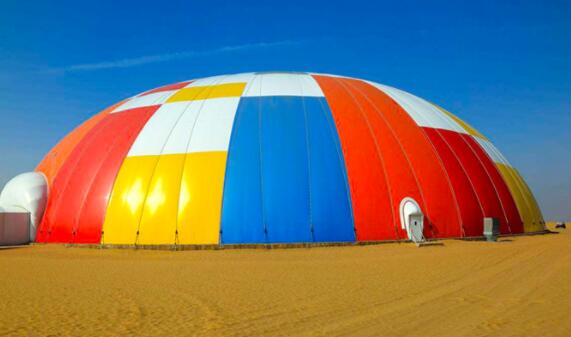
{"x": 438, "y": 202}
{"x": 168, "y": 87}
{"x": 470, "y": 209}
{"x": 481, "y": 182}
{"x": 58, "y": 187}
{"x": 372, "y": 213}
{"x": 77, "y": 203}
{"x": 515, "y": 224}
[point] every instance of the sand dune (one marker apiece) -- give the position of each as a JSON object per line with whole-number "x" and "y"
{"x": 518, "y": 287}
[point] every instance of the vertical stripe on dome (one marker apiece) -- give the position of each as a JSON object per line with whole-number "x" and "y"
{"x": 200, "y": 198}
{"x": 284, "y": 159}
{"x": 242, "y": 211}
{"x": 79, "y": 196}
{"x": 285, "y": 180}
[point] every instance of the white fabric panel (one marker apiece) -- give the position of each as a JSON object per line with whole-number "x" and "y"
{"x": 146, "y": 100}
{"x": 283, "y": 84}
{"x": 253, "y": 87}
{"x": 423, "y": 113}
{"x": 177, "y": 141}
{"x": 492, "y": 151}
{"x": 213, "y": 80}
{"x": 238, "y": 78}
{"x": 214, "y": 125}
{"x": 155, "y": 133}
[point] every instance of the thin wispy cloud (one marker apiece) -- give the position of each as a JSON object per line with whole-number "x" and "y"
{"x": 142, "y": 60}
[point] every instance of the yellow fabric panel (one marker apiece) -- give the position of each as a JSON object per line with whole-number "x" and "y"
{"x": 158, "y": 222}
{"x": 205, "y": 92}
{"x": 463, "y": 124}
{"x": 518, "y": 195}
{"x": 527, "y": 206}
{"x": 537, "y": 218}
{"x": 201, "y": 198}
{"x": 127, "y": 199}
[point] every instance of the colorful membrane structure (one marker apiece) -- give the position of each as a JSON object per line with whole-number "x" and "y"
{"x": 263, "y": 158}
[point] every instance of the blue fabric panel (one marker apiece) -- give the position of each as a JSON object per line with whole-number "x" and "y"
{"x": 331, "y": 211}
{"x": 242, "y": 217}
{"x": 285, "y": 174}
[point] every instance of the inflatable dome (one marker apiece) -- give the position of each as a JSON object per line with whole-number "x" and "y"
{"x": 269, "y": 158}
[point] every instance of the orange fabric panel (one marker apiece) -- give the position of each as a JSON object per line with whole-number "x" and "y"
{"x": 53, "y": 160}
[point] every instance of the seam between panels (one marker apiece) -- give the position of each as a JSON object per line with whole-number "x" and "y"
{"x": 308, "y": 153}
{"x": 260, "y": 149}
{"x": 393, "y": 133}
{"x": 334, "y": 133}
{"x": 191, "y": 131}
{"x": 463, "y": 169}
{"x": 377, "y": 151}
{"x": 489, "y": 178}
{"x": 80, "y": 155}
{"x": 92, "y": 181}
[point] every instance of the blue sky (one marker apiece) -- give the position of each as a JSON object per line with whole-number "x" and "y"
{"x": 504, "y": 67}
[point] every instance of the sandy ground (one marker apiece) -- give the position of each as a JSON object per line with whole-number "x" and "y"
{"x": 518, "y": 287}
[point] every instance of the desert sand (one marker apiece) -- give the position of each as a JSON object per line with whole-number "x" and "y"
{"x": 520, "y": 286}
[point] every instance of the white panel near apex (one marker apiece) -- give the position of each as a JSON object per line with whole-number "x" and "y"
{"x": 145, "y": 100}
{"x": 207, "y": 81}
{"x": 283, "y": 84}
{"x": 421, "y": 111}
